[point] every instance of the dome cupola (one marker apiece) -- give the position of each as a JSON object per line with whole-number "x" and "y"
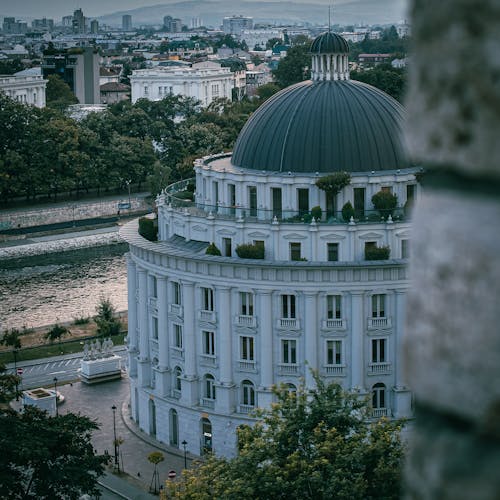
{"x": 330, "y": 57}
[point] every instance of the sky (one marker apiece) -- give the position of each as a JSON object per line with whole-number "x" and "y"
{"x": 92, "y": 8}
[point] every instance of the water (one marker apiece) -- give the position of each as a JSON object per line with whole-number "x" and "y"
{"x": 37, "y": 291}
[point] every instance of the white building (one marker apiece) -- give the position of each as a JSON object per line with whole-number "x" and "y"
{"x": 234, "y": 25}
{"x": 26, "y": 86}
{"x": 204, "y": 81}
{"x": 210, "y": 335}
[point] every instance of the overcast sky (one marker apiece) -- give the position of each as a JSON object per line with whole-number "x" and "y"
{"x": 92, "y": 8}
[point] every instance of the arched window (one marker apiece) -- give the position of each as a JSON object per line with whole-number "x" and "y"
{"x": 209, "y": 386}
{"x": 247, "y": 393}
{"x": 174, "y": 428}
{"x": 177, "y": 378}
{"x": 206, "y": 436}
{"x": 292, "y": 388}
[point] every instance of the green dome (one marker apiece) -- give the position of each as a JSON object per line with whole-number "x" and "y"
{"x": 329, "y": 43}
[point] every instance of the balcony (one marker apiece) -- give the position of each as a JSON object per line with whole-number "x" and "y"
{"x": 207, "y": 403}
{"x": 176, "y": 394}
{"x": 380, "y": 412}
{"x": 288, "y": 368}
{"x": 207, "y": 316}
{"x": 288, "y": 323}
{"x": 378, "y": 323}
{"x": 152, "y": 302}
{"x": 245, "y": 409}
{"x": 379, "y": 368}
{"x": 334, "y": 370}
{"x": 248, "y": 321}
{"x": 208, "y": 360}
{"x": 334, "y": 324}
{"x": 176, "y": 309}
{"x": 177, "y": 352}
{"x": 246, "y": 366}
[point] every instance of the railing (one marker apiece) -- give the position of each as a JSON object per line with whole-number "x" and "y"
{"x": 177, "y": 352}
{"x": 246, "y": 365}
{"x": 172, "y": 197}
{"x": 334, "y": 370}
{"x": 378, "y": 368}
{"x": 208, "y": 359}
{"x": 374, "y": 323}
{"x": 206, "y": 316}
{"x": 152, "y": 302}
{"x": 176, "y": 394}
{"x": 335, "y": 324}
{"x": 288, "y": 368}
{"x": 176, "y": 309}
{"x": 289, "y": 323}
{"x": 380, "y": 412}
{"x": 245, "y": 409}
{"x": 207, "y": 403}
{"x": 243, "y": 320}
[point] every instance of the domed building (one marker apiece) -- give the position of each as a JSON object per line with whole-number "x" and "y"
{"x": 309, "y": 276}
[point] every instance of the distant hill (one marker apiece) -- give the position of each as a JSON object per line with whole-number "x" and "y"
{"x": 212, "y": 12}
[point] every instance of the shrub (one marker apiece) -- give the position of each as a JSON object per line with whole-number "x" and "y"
{"x": 316, "y": 212}
{"x": 250, "y": 251}
{"x": 347, "y": 211}
{"x": 377, "y": 253}
{"x": 148, "y": 229}
{"x": 184, "y": 195}
{"x": 191, "y": 188}
{"x": 334, "y": 183}
{"x": 307, "y": 218}
{"x": 212, "y": 250}
{"x": 56, "y": 332}
{"x": 385, "y": 202}
{"x": 81, "y": 320}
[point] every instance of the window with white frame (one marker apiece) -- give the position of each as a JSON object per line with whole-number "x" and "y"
{"x": 215, "y": 89}
{"x": 405, "y": 249}
{"x": 177, "y": 378}
{"x": 332, "y": 250}
{"x": 379, "y": 350}
{"x": 378, "y": 396}
{"x": 146, "y": 90}
{"x": 208, "y": 340}
{"x": 334, "y": 352}
{"x": 288, "y": 306}
{"x": 154, "y": 287}
{"x": 207, "y": 299}
{"x": 334, "y": 306}
{"x": 289, "y": 351}
{"x": 246, "y": 303}
{"x": 247, "y": 348}
{"x": 295, "y": 251}
{"x": 176, "y": 293}
{"x": 378, "y": 305}
{"x": 154, "y": 327}
{"x": 178, "y": 340}
{"x": 209, "y": 386}
{"x": 247, "y": 393}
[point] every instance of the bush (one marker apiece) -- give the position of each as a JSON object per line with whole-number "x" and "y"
{"x": 250, "y": 251}
{"x": 334, "y": 183}
{"x": 191, "y": 188}
{"x": 148, "y": 229}
{"x": 213, "y": 250}
{"x": 184, "y": 195}
{"x": 56, "y": 332}
{"x": 377, "y": 253}
{"x": 316, "y": 212}
{"x": 347, "y": 211}
{"x": 307, "y": 218}
{"x": 385, "y": 202}
{"x": 81, "y": 320}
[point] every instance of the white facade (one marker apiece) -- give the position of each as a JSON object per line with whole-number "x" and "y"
{"x": 204, "y": 81}
{"x": 28, "y": 89}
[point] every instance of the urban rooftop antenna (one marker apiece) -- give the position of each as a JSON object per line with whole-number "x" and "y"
{"x": 329, "y": 21}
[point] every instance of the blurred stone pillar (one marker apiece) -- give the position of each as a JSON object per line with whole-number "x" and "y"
{"x": 452, "y": 350}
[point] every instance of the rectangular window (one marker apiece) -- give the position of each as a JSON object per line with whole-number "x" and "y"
{"x": 178, "y": 336}
{"x": 378, "y": 306}
{"x": 154, "y": 287}
{"x": 277, "y": 203}
{"x": 154, "y": 326}
{"x": 303, "y": 200}
{"x": 252, "y": 200}
{"x": 410, "y": 192}
{"x": 332, "y": 251}
{"x": 288, "y": 306}
{"x": 379, "y": 351}
{"x": 176, "y": 293}
{"x": 405, "y": 249}
{"x": 246, "y": 303}
{"x": 215, "y": 89}
{"x": 333, "y": 352}
{"x": 208, "y": 339}
{"x": 215, "y": 186}
{"x": 295, "y": 251}
{"x": 289, "y": 351}
{"x": 359, "y": 202}
{"x": 207, "y": 298}
{"x": 146, "y": 90}
{"x": 226, "y": 245}
{"x": 247, "y": 349}
{"x": 334, "y": 306}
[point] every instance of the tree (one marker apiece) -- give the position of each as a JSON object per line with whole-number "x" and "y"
{"x": 47, "y": 457}
{"x": 58, "y": 94}
{"x": 312, "y": 444}
{"x": 155, "y": 458}
{"x": 107, "y": 323}
{"x": 294, "y": 67}
{"x": 12, "y": 338}
{"x": 8, "y": 385}
{"x": 391, "y": 80}
{"x": 56, "y": 333}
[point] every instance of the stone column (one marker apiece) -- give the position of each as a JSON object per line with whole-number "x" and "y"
{"x": 225, "y": 391}
{"x": 358, "y": 318}
{"x": 310, "y": 329}
{"x": 190, "y": 380}
{"x": 266, "y": 347}
{"x": 452, "y": 350}
{"x": 132, "y": 316}
{"x": 144, "y": 367}
{"x": 162, "y": 382}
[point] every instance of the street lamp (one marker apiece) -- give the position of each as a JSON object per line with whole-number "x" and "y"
{"x": 55, "y": 390}
{"x": 115, "y": 442}
{"x": 184, "y": 443}
{"x": 14, "y": 352}
{"x": 128, "y": 185}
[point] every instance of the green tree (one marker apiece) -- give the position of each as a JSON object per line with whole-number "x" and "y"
{"x": 391, "y": 80}
{"x": 294, "y": 67}
{"x": 107, "y": 322}
{"x": 58, "y": 95}
{"x": 266, "y": 91}
{"x": 56, "y": 333}
{"x": 8, "y": 386}
{"x": 11, "y": 338}
{"x": 47, "y": 457}
{"x": 312, "y": 444}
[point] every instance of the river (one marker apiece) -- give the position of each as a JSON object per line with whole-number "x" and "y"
{"x": 42, "y": 290}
